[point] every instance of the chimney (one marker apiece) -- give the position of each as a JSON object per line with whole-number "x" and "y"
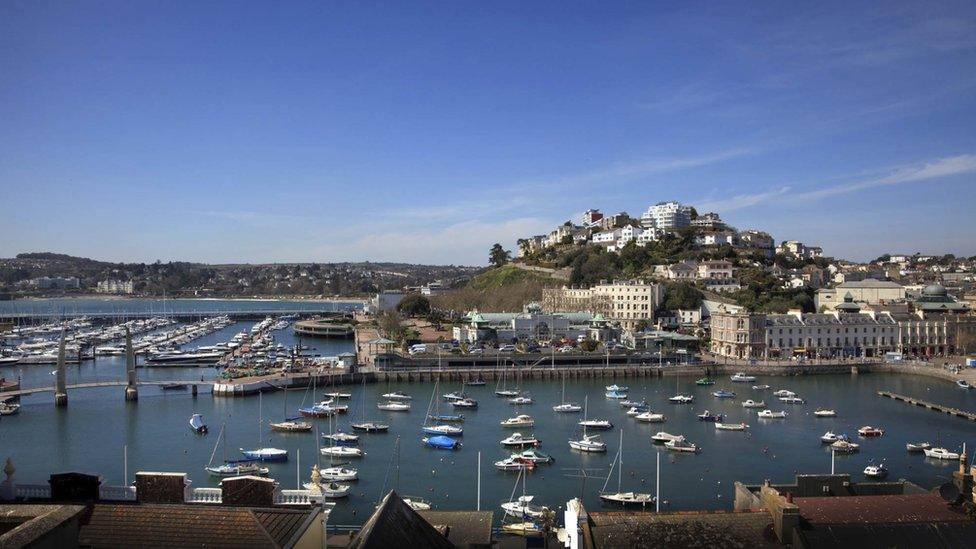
{"x": 160, "y": 487}
{"x": 74, "y": 487}
{"x": 248, "y": 491}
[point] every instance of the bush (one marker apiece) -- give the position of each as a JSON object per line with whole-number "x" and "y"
{"x": 414, "y": 305}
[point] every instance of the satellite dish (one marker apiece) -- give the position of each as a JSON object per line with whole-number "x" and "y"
{"x": 950, "y": 492}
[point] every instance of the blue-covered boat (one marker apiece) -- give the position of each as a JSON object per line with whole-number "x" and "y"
{"x": 442, "y": 442}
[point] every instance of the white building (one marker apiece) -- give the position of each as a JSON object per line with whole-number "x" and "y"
{"x": 717, "y": 269}
{"x": 667, "y": 215}
{"x": 383, "y": 301}
{"x": 606, "y": 237}
{"x": 114, "y": 287}
{"x": 626, "y": 302}
{"x": 868, "y": 291}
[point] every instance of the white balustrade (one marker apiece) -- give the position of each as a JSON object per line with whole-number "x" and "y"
{"x": 117, "y": 493}
{"x": 204, "y": 495}
{"x": 34, "y": 491}
{"x": 293, "y": 497}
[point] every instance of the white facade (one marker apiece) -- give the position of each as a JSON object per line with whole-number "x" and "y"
{"x": 114, "y": 287}
{"x": 626, "y": 302}
{"x": 667, "y": 215}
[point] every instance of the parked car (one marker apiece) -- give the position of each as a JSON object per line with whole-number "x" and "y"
{"x": 476, "y": 351}
{"x": 567, "y": 349}
{"x": 506, "y": 348}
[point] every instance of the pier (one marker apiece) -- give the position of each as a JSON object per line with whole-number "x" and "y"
{"x": 930, "y": 405}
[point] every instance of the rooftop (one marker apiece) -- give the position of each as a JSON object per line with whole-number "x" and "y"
{"x": 927, "y": 507}
{"x": 712, "y": 530}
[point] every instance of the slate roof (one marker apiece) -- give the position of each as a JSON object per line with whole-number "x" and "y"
{"x": 931, "y": 535}
{"x": 711, "y": 530}
{"x": 463, "y": 528}
{"x": 394, "y": 524}
{"x": 128, "y": 525}
{"x": 902, "y": 508}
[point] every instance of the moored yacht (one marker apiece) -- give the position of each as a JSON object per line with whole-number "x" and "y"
{"x": 742, "y": 377}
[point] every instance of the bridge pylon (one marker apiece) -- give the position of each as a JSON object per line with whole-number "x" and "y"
{"x": 60, "y": 377}
{"x": 131, "y": 389}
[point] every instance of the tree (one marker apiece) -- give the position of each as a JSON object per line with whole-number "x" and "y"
{"x": 414, "y": 305}
{"x": 498, "y": 256}
{"x": 682, "y": 296}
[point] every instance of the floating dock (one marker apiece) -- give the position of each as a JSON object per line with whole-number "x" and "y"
{"x": 930, "y": 405}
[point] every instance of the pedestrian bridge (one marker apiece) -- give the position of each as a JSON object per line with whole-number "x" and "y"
{"x": 6, "y": 395}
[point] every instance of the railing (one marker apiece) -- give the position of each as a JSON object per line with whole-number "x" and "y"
{"x": 295, "y": 497}
{"x": 203, "y": 495}
{"x": 117, "y": 493}
{"x": 34, "y": 491}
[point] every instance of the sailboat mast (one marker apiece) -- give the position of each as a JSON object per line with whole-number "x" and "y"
{"x": 620, "y": 461}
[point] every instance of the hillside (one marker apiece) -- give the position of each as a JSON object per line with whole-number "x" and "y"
{"x": 498, "y": 289}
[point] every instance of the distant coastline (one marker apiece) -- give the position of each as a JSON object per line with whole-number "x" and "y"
{"x": 107, "y": 297}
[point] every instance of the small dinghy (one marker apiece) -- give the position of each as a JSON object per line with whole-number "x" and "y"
{"x": 514, "y": 463}
{"x": 731, "y": 426}
{"x": 722, "y": 393}
{"x": 917, "y": 447}
{"x": 876, "y": 471}
{"x": 822, "y": 412}
{"x": 963, "y": 384}
{"x": 753, "y": 404}
{"x": 845, "y": 447}
{"x": 197, "y": 425}
{"x": 442, "y": 442}
{"x": 740, "y": 377}
{"x": 341, "y": 438}
{"x": 705, "y": 381}
{"x": 9, "y": 409}
{"x": 465, "y": 403}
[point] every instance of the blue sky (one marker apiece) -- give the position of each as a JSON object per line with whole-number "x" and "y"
{"x": 424, "y": 132}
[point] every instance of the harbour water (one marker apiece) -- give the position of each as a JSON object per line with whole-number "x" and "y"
{"x": 95, "y": 306}
{"x": 89, "y": 434}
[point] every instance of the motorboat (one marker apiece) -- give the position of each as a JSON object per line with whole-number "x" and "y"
{"x": 617, "y": 388}
{"x": 708, "y": 416}
{"x": 596, "y": 424}
{"x": 940, "y": 453}
{"x": 637, "y": 410}
{"x": 650, "y": 417}
{"x": 830, "y": 437}
{"x": 705, "y": 381}
{"x": 465, "y": 403}
{"x": 173, "y": 387}
{"x": 731, "y": 426}
{"x": 760, "y": 387}
{"x": 394, "y": 406}
{"x": 237, "y": 469}
{"x": 507, "y": 393}
{"x": 339, "y": 473}
{"x": 963, "y": 384}
{"x": 567, "y": 408}
{"x": 769, "y": 414}
{"x": 197, "y": 425}
{"x": 525, "y": 529}
{"x": 341, "y": 438}
{"x": 514, "y": 463}
{"x": 397, "y": 395}
{"x": 523, "y": 507}
{"x": 615, "y": 395}
{"x": 319, "y": 410}
{"x": 792, "y": 400}
{"x": 845, "y": 446}
{"x": 266, "y": 454}
{"x": 722, "y": 393}
{"x": 9, "y": 409}
{"x": 291, "y": 426}
{"x": 633, "y": 403}
{"x": 753, "y": 404}
{"x": 517, "y": 439}
{"x": 446, "y": 430}
{"x": 784, "y": 393}
{"x": 876, "y": 471}
{"x": 454, "y": 395}
{"x": 342, "y": 451}
{"x": 535, "y": 456}
{"x": 520, "y": 420}
{"x": 334, "y": 490}
{"x": 917, "y": 446}
{"x": 589, "y": 443}
{"x": 682, "y": 445}
{"x": 742, "y": 377}
{"x": 682, "y": 399}
{"x": 661, "y": 437}
{"x": 370, "y": 427}
{"x": 442, "y": 442}
{"x": 446, "y": 418}
{"x": 338, "y": 394}
{"x": 825, "y": 412}
{"x": 520, "y": 400}
{"x": 869, "y": 431}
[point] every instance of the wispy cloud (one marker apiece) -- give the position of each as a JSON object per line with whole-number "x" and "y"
{"x": 934, "y": 169}
{"x": 251, "y": 218}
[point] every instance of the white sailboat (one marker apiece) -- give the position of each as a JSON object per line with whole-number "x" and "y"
{"x": 522, "y": 508}
{"x": 231, "y": 468}
{"x": 620, "y": 497}
{"x": 589, "y": 443}
{"x": 366, "y": 425}
{"x": 566, "y": 407}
